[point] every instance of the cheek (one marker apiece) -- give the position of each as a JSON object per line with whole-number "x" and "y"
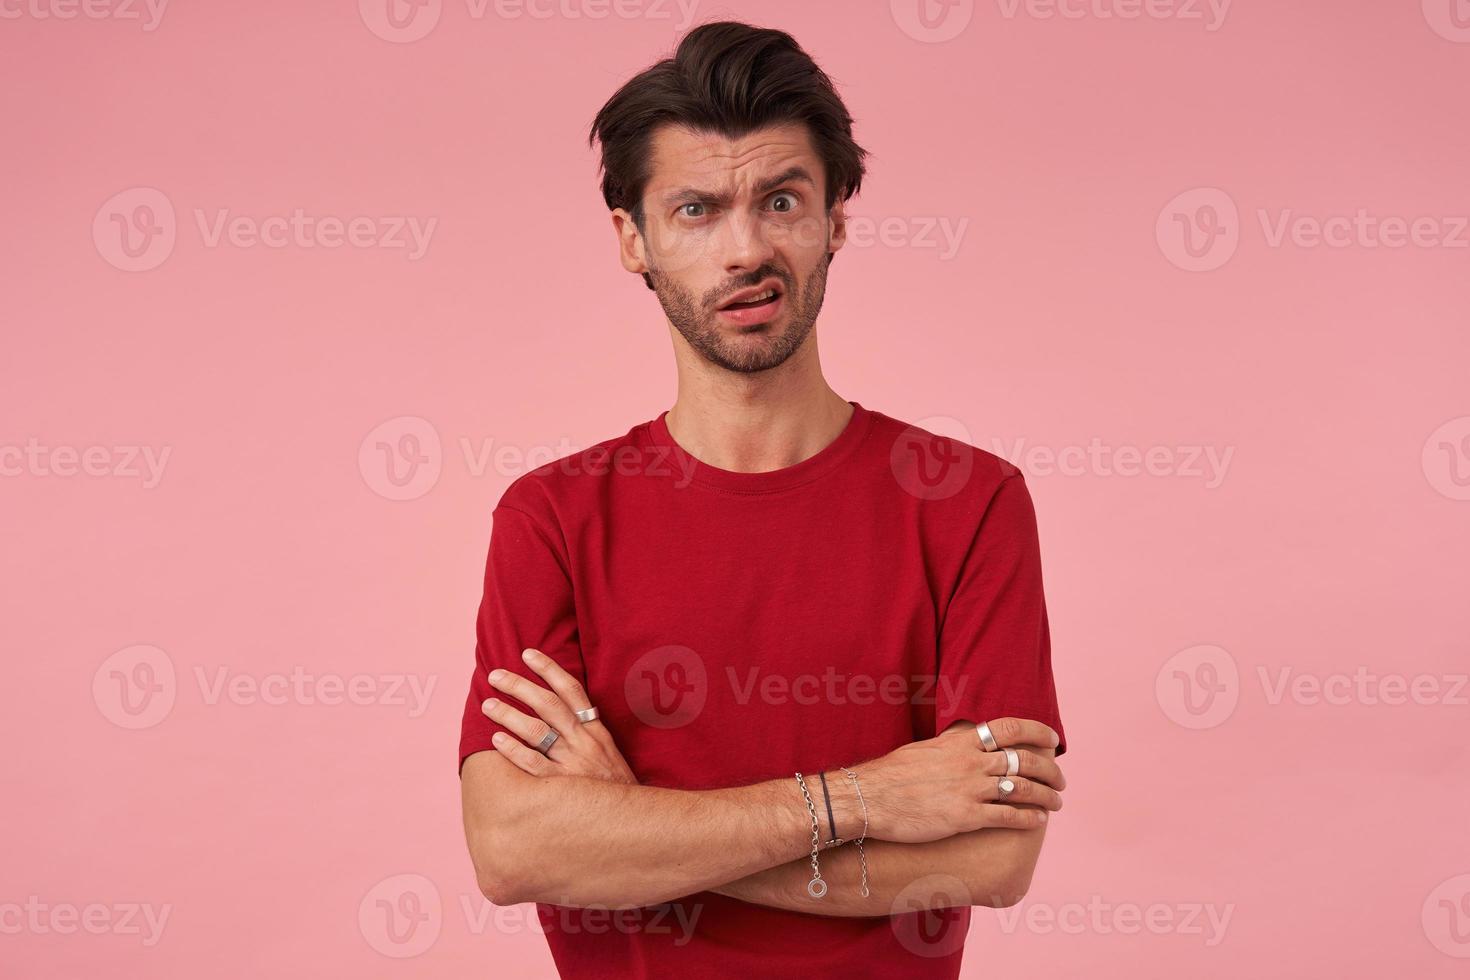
{"x": 689, "y": 286}
{"x": 802, "y": 236}
{"x": 687, "y": 258}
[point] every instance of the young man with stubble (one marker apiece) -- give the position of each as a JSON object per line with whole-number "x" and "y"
{"x": 763, "y": 686}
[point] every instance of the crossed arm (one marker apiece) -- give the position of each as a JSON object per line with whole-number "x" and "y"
{"x": 573, "y": 828}
{"x": 990, "y": 867}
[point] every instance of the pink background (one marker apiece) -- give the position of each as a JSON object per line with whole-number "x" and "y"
{"x": 1072, "y": 150}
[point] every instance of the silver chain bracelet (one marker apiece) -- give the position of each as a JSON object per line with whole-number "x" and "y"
{"x": 852, "y": 776}
{"x": 816, "y": 888}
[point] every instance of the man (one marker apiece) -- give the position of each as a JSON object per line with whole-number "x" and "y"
{"x": 785, "y": 707}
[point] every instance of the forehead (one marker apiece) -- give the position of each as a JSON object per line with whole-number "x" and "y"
{"x": 687, "y": 158}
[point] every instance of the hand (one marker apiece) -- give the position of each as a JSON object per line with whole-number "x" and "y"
{"x": 584, "y": 748}
{"x": 946, "y": 785}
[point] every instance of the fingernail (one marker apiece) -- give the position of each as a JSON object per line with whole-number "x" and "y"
{"x": 498, "y": 738}
{"x": 492, "y": 702}
{"x": 496, "y": 675}
{"x": 528, "y": 654}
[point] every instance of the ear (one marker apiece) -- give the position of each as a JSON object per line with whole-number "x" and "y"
{"x": 630, "y": 242}
{"x": 838, "y": 219}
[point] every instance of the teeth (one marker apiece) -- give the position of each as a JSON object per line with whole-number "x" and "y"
{"x": 756, "y": 299}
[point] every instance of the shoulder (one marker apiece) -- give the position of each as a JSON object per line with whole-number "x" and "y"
{"x": 935, "y": 462}
{"x": 550, "y": 492}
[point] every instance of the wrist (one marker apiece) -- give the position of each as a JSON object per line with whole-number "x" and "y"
{"x": 847, "y": 806}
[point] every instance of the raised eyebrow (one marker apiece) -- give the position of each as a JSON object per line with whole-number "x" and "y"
{"x": 791, "y": 175}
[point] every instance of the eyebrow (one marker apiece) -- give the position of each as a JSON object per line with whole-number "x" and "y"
{"x": 791, "y": 175}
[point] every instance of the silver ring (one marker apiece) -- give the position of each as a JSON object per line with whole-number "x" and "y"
{"x": 1007, "y": 786}
{"x": 1013, "y": 762}
{"x": 586, "y": 715}
{"x": 547, "y": 741}
{"x": 987, "y": 740}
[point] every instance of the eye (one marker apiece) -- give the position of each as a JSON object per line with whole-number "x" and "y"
{"x": 692, "y": 204}
{"x": 789, "y": 197}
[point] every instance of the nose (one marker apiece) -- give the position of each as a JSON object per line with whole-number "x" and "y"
{"x": 747, "y": 244}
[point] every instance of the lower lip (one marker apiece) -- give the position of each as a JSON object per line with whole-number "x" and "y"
{"x": 750, "y": 316}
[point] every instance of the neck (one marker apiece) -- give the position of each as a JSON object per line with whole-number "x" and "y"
{"x": 757, "y": 423}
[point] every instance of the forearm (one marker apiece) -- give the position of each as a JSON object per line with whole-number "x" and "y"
{"x": 990, "y": 867}
{"x": 583, "y": 842}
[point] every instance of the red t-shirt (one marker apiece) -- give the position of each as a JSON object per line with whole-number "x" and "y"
{"x": 733, "y": 628}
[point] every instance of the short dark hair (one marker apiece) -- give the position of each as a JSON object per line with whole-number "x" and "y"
{"x": 728, "y": 78}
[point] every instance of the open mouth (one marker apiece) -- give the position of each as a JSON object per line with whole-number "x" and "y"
{"x": 765, "y": 297}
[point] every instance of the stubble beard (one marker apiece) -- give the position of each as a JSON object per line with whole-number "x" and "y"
{"x": 748, "y": 353}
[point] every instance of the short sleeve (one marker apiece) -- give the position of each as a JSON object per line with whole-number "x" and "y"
{"x": 527, "y": 602}
{"x": 994, "y": 644}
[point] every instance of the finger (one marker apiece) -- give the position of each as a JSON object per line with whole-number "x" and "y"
{"x": 562, "y": 683}
{"x": 529, "y": 730}
{"x": 1026, "y": 791}
{"x": 547, "y": 705}
{"x": 1022, "y": 731}
{"x": 567, "y": 687}
{"x": 1030, "y": 763}
{"x": 1012, "y": 817}
{"x": 522, "y": 756}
